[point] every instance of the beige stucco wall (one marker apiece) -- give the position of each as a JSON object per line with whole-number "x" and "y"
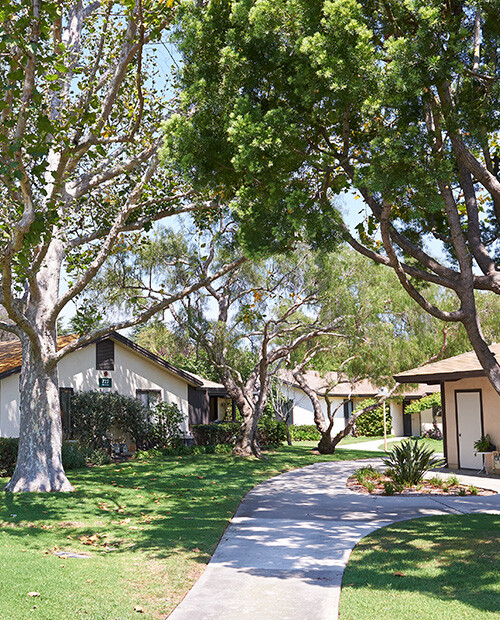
{"x": 396, "y": 418}
{"x": 491, "y": 413}
{"x": 77, "y": 370}
{"x": 9, "y": 406}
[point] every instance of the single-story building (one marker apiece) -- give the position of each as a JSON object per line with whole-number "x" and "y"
{"x": 113, "y": 363}
{"x": 346, "y": 395}
{"x": 471, "y": 406}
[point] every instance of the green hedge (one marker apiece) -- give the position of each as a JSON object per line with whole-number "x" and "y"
{"x": 371, "y": 424}
{"x": 304, "y": 432}
{"x": 74, "y": 455}
{"x": 269, "y": 433}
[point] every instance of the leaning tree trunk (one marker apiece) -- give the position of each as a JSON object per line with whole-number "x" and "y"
{"x": 326, "y": 444}
{"x": 39, "y": 463}
{"x": 247, "y": 443}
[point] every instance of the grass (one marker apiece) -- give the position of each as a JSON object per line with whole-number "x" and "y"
{"x": 435, "y": 444}
{"x": 149, "y": 529}
{"x": 349, "y": 440}
{"x": 433, "y": 568}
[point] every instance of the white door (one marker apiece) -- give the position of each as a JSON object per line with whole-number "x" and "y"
{"x": 469, "y": 428}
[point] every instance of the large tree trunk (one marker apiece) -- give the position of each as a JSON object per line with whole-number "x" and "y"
{"x": 39, "y": 463}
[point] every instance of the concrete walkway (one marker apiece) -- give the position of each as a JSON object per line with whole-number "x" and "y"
{"x": 377, "y": 445}
{"x": 283, "y": 555}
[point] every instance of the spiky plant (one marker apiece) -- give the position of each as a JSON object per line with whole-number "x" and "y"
{"x": 409, "y": 460}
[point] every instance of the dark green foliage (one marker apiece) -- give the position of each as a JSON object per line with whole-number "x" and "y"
{"x": 74, "y": 455}
{"x": 409, "y": 460}
{"x": 213, "y": 434}
{"x": 371, "y": 424}
{"x": 304, "y": 432}
{"x": 94, "y": 413}
{"x": 388, "y": 488}
{"x": 269, "y": 433}
{"x": 8, "y": 455}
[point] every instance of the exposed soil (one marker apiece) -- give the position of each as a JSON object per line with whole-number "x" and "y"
{"x": 423, "y": 488}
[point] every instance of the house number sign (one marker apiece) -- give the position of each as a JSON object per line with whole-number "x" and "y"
{"x": 105, "y": 382}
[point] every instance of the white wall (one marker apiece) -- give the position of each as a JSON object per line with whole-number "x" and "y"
{"x": 397, "y": 418}
{"x": 303, "y": 412}
{"x": 9, "y": 406}
{"x": 77, "y": 370}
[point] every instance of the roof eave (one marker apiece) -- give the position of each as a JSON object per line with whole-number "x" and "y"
{"x": 436, "y": 378}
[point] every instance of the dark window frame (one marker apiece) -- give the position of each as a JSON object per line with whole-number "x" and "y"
{"x": 66, "y": 421}
{"x": 105, "y": 354}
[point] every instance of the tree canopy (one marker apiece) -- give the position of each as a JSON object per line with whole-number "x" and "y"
{"x": 285, "y": 105}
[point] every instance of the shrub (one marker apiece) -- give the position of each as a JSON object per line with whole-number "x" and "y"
{"x": 213, "y": 434}
{"x": 369, "y": 486}
{"x": 8, "y": 455}
{"x": 304, "y": 432}
{"x": 371, "y": 423}
{"x": 388, "y": 488}
{"x": 166, "y": 421}
{"x": 271, "y": 432}
{"x": 74, "y": 455}
{"x": 409, "y": 460}
{"x": 367, "y": 473}
{"x": 433, "y": 433}
{"x": 94, "y": 413}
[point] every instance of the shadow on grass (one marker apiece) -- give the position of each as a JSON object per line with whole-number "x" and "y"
{"x": 449, "y": 558}
{"x": 161, "y": 506}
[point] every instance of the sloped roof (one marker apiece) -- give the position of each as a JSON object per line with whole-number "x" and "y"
{"x": 208, "y": 383}
{"x": 10, "y": 354}
{"x": 460, "y": 366}
{"x": 364, "y": 388}
{"x": 10, "y": 357}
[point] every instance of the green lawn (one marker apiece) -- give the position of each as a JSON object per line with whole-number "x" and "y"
{"x": 434, "y": 568}
{"x": 435, "y": 444}
{"x": 349, "y": 439}
{"x": 150, "y": 527}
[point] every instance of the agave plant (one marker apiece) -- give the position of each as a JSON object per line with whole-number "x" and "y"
{"x": 409, "y": 460}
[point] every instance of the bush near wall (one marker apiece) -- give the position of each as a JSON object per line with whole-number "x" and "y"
{"x": 74, "y": 455}
{"x": 93, "y": 414}
{"x": 269, "y": 433}
{"x": 304, "y": 432}
{"x": 371, "y": 424}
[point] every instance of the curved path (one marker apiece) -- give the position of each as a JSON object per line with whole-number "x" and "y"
{"x": 283, "y": 555}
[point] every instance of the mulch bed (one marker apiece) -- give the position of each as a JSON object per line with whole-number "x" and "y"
{"x": 423, "y": 488}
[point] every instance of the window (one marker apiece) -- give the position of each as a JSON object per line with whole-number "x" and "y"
{"x": 65, "y": 401}
{"x": 348, "y": 409}
{"x": 149, "y": 398}
{"x": 105, "y": 355}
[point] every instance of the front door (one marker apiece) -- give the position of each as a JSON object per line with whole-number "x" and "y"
{"x": 406, "y": 420}
{"x": 469, "y": 427}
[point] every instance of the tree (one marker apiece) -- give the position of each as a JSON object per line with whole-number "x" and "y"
{"x": 80, "y": 112}
{"x": 246, "y": 323}
{"x": 396, "y": 101}
{"x": 262, "y": 305}
{"x": 385, "y": 332}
